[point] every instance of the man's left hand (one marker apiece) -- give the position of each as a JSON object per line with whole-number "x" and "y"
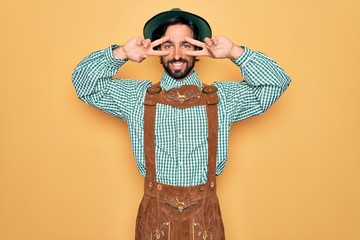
{"x": 215, "y": 47}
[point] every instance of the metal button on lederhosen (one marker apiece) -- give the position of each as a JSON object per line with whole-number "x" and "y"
{"x": 174, "y": 212}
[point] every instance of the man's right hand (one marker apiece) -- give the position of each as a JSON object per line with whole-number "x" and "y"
{"x": 138, "y": 49}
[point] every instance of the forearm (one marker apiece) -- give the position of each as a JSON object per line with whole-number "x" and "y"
{"x": 265, "y": 79}
{"x": 260, "y": 70}
{"x": 92, "y": 74}
{"x": 264, "y": 82}
{"x": 94, "y": 83}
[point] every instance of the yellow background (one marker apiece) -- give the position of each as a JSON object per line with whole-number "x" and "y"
{"x": 67, "y": 170}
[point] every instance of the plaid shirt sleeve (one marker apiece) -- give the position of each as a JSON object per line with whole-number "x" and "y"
{"x": 94, "y": 84}
{"x": 264, "y": 82}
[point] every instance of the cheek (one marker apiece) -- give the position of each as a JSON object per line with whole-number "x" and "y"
{"x": 165, "y": 58}
{"x": 170, "y": 55}
{"x": 190, "y": 59}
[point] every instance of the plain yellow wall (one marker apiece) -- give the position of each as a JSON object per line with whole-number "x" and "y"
{"x": 67, "y": 170}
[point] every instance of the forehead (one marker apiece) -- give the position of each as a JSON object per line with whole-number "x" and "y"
{"x": 178, "y": 32}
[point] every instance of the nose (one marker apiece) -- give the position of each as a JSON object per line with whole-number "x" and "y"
{"x": 177, "y": 53}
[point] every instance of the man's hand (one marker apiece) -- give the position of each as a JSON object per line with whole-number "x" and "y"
{"x": 215, "y": 47}
{"x": 138, "y": 49}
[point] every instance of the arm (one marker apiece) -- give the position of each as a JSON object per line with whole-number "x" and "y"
{"x": 264, "y": 80}
{"x": 94, "y": 83}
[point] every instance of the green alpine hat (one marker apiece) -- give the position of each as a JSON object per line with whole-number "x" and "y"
{"x": 154, "y": 22}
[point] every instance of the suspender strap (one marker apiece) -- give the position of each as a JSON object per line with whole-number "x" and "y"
{"x": 211, "y": 96}
{"x": 150, "y": 102}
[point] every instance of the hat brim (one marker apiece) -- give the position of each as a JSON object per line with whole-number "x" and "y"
{"x": 154, "y": 22}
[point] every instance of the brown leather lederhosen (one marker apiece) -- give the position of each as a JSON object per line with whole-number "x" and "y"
{"x": 174, "y": 212}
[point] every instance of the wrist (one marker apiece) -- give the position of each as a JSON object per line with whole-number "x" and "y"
{"x": 236, "y": 52}
{"x": 119, "y": 53}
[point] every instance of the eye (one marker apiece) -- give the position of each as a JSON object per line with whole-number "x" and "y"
{"x": 167, "y": 46}
{"x": 186, "y": 46}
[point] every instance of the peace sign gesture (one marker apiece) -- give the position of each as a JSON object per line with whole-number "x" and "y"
{"x": 215, "y": 47}
{"x": 138, "y": 49}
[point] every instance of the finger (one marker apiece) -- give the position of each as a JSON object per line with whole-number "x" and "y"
{"x": 200, "y": 53}
{"x": 159, "y": 41}
{"x": 215, "y": 40}
{"x": 209, "y": 42}
{"x": 158, "y": 53}
{"x": 194, "y": 42}
{"x": 139, "y": 41}
{"x": 146, "y": 43}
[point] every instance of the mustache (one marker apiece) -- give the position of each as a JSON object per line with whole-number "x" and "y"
{"x": 177, "y": 60}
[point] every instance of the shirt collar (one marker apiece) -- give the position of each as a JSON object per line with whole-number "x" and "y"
{"x": 168, "y": 82}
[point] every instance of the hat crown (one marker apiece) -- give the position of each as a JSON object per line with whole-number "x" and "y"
{"x": 202, "y": 25}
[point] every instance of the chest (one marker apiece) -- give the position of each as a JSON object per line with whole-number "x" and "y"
{"x": 180, "y": 125}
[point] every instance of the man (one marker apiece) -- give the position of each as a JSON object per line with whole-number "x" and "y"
{"x": 179, "y": 127}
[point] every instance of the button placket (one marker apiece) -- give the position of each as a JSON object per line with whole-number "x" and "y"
{"x": 179, "y": 144}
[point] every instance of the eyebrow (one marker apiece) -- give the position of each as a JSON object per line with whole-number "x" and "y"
{"x": 182, "y": 42}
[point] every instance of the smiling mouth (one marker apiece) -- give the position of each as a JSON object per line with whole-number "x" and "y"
{"x": 177, "y": 64}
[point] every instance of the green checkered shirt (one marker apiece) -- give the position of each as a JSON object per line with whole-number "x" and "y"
{"x": 180, "y": 134}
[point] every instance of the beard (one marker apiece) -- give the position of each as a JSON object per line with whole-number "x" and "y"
{"x": 178, "y": 74}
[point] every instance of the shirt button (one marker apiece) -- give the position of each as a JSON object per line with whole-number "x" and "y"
{"x": 180, "y": 136}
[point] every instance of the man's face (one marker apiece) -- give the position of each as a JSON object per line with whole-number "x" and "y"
{"x": 177, "y": 64}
